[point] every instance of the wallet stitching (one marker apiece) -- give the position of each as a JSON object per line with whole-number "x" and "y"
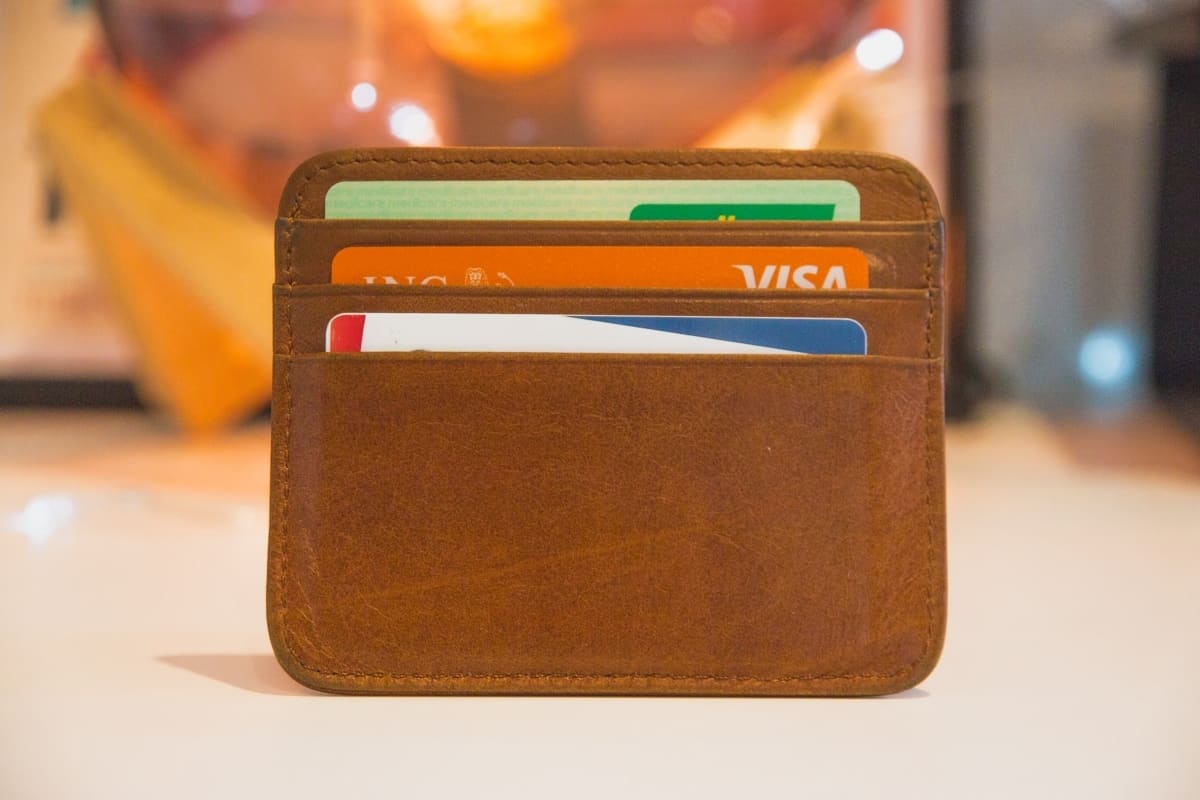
{"x": 285, "y": 468}
{"x": 931, "y": 389}
{"x": 280, "y": 573}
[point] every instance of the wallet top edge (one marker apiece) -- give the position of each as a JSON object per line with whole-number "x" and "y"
{"x": 891, "y": 188}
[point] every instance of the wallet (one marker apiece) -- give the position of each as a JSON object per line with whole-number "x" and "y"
{"x": 609, "y": 523}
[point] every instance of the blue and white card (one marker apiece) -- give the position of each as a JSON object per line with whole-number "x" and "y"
{"x": 561, "y": 333}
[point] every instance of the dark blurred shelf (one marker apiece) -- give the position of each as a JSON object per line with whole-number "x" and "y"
{"x": 68, "y": 393}
{"x": 1173, "y": 31}
{"x": 1185, "y": 408}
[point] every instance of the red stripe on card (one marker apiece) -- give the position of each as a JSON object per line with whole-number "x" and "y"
{"x": 346, "y": 333}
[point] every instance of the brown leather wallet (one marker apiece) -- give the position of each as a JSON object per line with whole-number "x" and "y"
{"x": 562, "y": 523}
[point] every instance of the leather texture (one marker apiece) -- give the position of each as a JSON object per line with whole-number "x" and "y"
{"x": 609, "y": 524}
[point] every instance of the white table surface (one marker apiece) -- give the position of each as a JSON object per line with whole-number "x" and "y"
{"x": 134, "y": 659}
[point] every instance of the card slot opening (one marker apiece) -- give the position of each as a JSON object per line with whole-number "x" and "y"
{"x": 537, "y": 293}
{"x": 681, "y": 360}
{"x": 887, "y": 186}
{"x": 502, "y": 226}
{"x": 900, "y": 324}
{"x": 323, "y": 238}
{"x": 897, "y": 256}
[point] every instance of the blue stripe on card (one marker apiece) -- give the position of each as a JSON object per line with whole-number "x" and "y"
{"x": 817, "y": 336}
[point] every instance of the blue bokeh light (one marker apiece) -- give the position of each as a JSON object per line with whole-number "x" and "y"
{"x": 1108, "y": 358}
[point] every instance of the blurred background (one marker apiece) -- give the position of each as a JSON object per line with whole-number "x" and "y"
{"x": 145, "y": 143}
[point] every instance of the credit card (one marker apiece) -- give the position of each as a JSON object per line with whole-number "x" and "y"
{"x": 560, "y": 333}
{"x": 604, "y": 199}
{"x": 615, "y": 266}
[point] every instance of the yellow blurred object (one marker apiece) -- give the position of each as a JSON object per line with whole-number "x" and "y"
{"x": 797, "y": 112}
{"x": 498, "y": 38}
{"x": 189, "y": 265}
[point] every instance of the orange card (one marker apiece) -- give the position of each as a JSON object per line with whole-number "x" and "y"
{"x": 593, "y": 266}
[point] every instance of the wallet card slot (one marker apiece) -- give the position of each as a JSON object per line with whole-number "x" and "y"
{"x": 888, "y": 187}
{"x": 592, "y": 523}
{"x": 534, "y": 292}
{"x": 899, "y": 255}
{"x": 897, "y": 323}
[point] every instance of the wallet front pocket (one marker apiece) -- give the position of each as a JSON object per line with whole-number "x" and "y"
{"x": 607, "y": 523}
{"x": 897, "y": 322}
{"x": 899, "y": 254}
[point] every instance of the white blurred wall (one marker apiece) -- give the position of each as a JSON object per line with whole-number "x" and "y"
{"x": 55, "y": 319}
{"x": 1066, "y": 136}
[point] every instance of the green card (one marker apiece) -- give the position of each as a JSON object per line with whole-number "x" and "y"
{"x": 603, "y": 199}
{"x": 732, "y": 212}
